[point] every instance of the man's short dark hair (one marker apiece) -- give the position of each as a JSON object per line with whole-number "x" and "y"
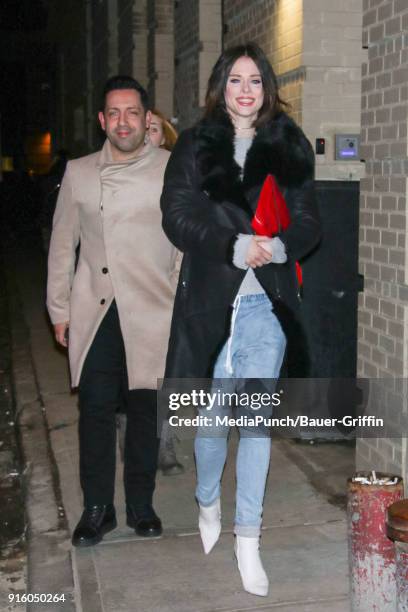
{"x": 124, "y": 82}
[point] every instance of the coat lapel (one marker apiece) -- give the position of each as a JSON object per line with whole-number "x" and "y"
{"x": 220, "y": 174}
{"x": 279, "y": 148}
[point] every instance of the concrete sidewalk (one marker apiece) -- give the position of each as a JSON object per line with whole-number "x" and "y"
{"x": 304, "y": 545}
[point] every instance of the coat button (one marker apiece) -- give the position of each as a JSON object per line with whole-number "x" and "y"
{"x": 104, "y": 270}
{"x": 103, "y": 301}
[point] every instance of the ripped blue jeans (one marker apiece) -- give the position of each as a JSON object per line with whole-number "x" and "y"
{"x": 254, "y": 350}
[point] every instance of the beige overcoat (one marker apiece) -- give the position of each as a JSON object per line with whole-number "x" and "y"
{"x": 112, "y": 209}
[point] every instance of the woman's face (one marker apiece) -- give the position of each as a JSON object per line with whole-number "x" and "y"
{"x": 156, "y": 134}
{"x": 244, "y": 93}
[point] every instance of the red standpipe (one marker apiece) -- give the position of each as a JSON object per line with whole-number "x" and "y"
{"x": 371, "y": 553}
{"x": 397, "y": 530}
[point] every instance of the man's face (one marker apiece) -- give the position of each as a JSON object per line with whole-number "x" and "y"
{"x": 125, "y": 122}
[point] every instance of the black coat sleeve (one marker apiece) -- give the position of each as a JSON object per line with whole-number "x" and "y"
{"x": 304, "y": 231}
{"x": 189, "y": 218}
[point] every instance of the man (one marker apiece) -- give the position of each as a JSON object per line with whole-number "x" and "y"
{"x": 117, "y": 306}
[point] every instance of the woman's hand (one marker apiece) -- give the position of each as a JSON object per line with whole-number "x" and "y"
{"x": 257, "y": 255}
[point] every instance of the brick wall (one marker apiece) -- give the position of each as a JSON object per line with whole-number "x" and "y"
{"x": 125, "y": 36}
{"x": 296, "y": 35}
{"x": 151, "y": 48}
{"x": 113, "y": 37}
{"x": 278, "y": 28}
{"x": 164, "y": 56}
{"x": 139, "y": 68}
{"x": 186, "y": 96}
{"x": 99, "y": 63}
{"x": 198, "y": 44}
{"x": 383, "y": 308}
{"x": 315, "y": 49}
{"x": 132, "y": 39}
{"x": 333, "y": 55}
{"x": 71, "y": 99}
{"x": 210, "y": 36}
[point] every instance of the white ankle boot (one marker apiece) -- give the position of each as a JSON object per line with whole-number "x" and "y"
{"x": 254, "y": 578}
{"x": 209, "y": 524}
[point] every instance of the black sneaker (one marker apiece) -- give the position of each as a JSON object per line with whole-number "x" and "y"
{"x": 94, "y": 523}
{"x": 144, "y": 521}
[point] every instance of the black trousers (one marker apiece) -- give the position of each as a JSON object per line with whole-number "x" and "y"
{"x": 103, "y": 390}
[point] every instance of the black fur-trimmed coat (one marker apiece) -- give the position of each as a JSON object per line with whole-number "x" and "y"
{"x": 205, "y": 204}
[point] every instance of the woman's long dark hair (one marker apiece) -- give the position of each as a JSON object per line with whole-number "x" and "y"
{"x": 215, "y": 101}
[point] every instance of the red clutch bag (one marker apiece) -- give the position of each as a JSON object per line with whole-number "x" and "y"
{"x": 272, "y": 214}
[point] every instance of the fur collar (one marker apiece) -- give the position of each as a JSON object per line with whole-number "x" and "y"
{"x": 279, "y": 148}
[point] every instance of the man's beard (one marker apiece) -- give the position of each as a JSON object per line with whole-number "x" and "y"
{"x": 133, "y": 142}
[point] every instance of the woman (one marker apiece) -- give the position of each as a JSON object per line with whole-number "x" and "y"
{"x": 161, "y": 132}
{"x": 237, "y": 301}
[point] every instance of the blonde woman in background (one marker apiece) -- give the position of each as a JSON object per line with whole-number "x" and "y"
{"x": 161, "y": 132}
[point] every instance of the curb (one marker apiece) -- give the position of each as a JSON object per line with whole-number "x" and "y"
{"x": 49, "y": 565}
